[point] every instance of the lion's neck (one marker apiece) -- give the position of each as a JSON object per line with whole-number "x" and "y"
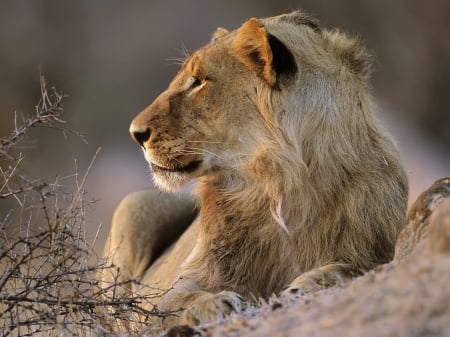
{"x": 235, "y": 197}
{"x": 238, "y": 226}
{"x": 225, "y": 199}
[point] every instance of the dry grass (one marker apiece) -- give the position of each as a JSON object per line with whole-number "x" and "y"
{"x": 47, "y": 264}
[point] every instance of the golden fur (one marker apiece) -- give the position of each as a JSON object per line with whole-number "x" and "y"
{"x": 297, "y": 183}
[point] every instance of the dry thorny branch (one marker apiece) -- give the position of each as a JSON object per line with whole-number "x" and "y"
{"x": 47, "y": 277}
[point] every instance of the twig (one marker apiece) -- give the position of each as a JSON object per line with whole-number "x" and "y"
{"x": 48, "y": 269}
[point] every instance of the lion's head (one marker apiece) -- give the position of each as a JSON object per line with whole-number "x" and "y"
{"x": 277, "y": 99}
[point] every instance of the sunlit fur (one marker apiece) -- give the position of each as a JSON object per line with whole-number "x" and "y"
{"x": 299, "y": 184}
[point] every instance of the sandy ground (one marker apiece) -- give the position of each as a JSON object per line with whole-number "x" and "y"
{"x": 407, "y": 297}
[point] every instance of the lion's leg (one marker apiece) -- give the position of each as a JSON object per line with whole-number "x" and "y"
{"x": 320, "y": 278}
{"x": 144, "y": 224}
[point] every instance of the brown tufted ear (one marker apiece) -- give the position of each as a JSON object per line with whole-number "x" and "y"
{"x": 252, "y": 48}
{"x": 219, "y": 33}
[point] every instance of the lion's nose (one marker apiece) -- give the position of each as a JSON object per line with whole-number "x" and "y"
{"x": 140, "y": 136}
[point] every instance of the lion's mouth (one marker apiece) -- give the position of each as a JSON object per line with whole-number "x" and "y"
{"x": 191, "y": 167}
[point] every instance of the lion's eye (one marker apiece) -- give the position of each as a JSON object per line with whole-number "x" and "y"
{"x": 196, "y": 84}
{"x": 197, "y": 81}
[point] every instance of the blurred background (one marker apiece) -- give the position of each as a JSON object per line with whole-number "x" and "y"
{"x": 114, "y": 57}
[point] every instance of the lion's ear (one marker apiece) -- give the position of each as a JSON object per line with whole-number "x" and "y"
{"x": 219, "y": 33}
{"x": 252, "y": 48}
{"x": 263, "y": 53}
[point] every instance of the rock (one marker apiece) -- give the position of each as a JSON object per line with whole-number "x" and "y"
{"x": 419, "y": 214}
{"x": 438, "y": 240}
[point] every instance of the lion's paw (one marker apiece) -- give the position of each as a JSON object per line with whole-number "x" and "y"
{"x": 211, "y": 307}
{"x": 318, "y": 279}
{"x": 302, "y": 285}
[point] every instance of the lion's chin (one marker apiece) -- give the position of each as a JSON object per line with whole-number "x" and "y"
{"x": 170, "y": 182}
{"x": 173, "y": 179}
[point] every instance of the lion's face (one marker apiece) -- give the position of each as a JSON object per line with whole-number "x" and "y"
{"x": 250, "y": 101}
{"x": 196, "y": 127}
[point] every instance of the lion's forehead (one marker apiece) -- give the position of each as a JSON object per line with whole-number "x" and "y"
{"x": 208, "y": 61}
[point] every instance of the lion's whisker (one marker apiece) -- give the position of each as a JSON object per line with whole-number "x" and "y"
{"x": 202, "y": 141}
{"x": 206, "y": 152}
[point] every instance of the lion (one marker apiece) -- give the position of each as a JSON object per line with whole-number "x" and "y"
{"x": 296, "y": 183}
